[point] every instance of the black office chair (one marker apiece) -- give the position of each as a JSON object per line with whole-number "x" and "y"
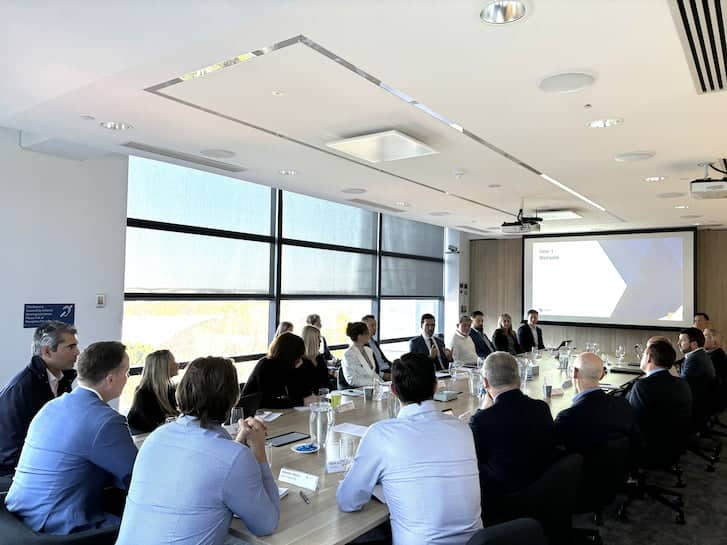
{"x": 14, "y": 532}
{"x": 551, "y": 500}
{"x": 341, "y": 380}
{"x": 704, "y": 442}
{"x": 5, "y": 483}
{"x": 522, "y": 531}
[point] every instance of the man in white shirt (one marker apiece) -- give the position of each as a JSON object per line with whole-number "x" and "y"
{"x": 421, "y": 455}
{"x": 463, "y": 347}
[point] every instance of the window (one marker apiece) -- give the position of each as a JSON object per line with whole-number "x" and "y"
{"x": 191, "y": 329}
{"x": 314, "y": 271}
{"x": 404, "y": 236}
{"x": 401, "y": 318}
{"x": 316, "y": 220}
{"x": 335, "y": 315}
{"x": 173, "y": 194}
{"x": 411, "y": 277}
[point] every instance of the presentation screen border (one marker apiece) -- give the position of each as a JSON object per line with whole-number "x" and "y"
{"x": 594, "y": 234}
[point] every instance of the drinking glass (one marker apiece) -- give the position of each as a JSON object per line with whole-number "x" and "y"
{"x": 323, "y": 393}
{"x": 321, "y": 419}
{"x": 475, "y": 383}
{"x": 620, "y": 353}
{"x": 236, "y": 415}
{"x": 269, "y": 454}
{"x": 393, "y": 406}
{"x": 595, "y": 348}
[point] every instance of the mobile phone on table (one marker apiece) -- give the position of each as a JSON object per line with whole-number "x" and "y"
{"x": 287, "y": 438}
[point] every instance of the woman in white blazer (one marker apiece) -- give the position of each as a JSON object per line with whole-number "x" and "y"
{"x": 358, "y": 365}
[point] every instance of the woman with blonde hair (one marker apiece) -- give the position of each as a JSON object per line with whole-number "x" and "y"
{"x": 154, "y": 399}
{"x": 283, "y": 327}
{"x": 504, "y": 337}
{"x": 313, "y": 357}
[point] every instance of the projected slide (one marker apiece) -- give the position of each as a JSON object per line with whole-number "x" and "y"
{"x": 636, "y": 279}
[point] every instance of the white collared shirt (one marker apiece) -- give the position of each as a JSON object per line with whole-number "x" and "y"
{"x": 433, "y": 490}
{"x": 90, "y": 390}
{"x": 53, "y": 382}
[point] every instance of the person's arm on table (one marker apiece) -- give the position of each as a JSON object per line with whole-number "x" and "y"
{"x": 250, "y": 490}
{"x": 356, "y": 489}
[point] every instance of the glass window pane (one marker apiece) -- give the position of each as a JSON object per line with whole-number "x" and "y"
{"x": 335, "y": 315}
{"x": 411, "y": 277}
{"x": 164, "y": 192}
{"x": 316, "y": 220}
{"x": 401, "y": 317}
{"x": 167, "y": 262}
{"x": 314, "y": 271}
{"x": 412, "y": 237}
{"x": 191, "y": 329}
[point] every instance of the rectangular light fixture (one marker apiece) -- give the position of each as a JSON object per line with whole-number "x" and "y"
{"x": 551, "y": 215}
{"x": 382, "y": 146}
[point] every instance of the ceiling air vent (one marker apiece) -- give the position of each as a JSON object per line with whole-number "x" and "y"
{"x": 371, "y": 204}
{"x": 180, "y": 156}
{"x": 701, "y": 28}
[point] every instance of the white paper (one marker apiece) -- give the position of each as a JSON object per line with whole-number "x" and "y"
{"x": 303, "y": 409}
{"x": 351, "y": 429}
{"x": 442, "y": 374}
{"x": 270, "y": 417}
{"x": 298, "y": 478}
{"x": 282, "y": 492}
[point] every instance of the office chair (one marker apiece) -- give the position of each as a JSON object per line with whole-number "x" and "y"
{"x": 341, "y": 380}
{"x": 5, "y": 483}
{"x": 705, "y": 393}
{"x": 550, "y": 500}
{"x": 14, "y": 531}
{"x": 524, "y": 531}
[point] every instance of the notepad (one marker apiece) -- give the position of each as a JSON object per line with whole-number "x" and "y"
{"x": 351, "y": 429}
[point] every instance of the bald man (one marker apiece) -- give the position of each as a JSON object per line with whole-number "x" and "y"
{"x": 594, "y": 417}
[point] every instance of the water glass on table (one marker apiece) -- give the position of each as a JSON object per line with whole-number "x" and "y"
{"x": 321, "y": 419}
{"x": 236, "y": 415}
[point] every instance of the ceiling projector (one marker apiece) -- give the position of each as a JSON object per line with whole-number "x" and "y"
{"x": 709, "y": 188}
{"x": 521, "y": 225}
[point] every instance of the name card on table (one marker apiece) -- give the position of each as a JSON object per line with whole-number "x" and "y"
{"x": 346, "y": 406}
{"x": 298, "y": 478}
{"x": 337, "y": 466}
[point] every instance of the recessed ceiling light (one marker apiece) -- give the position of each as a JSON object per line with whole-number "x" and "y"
{"x": 568, "y": 82}
{"x": 218, "y": 153}
{"x": 277, "y": 93}
{"x": 691, "y": 216}
{"x": 494, "y": 186}
{"x": 402, "y": 204}
{"x": 87, "y": 117}
{"x": 631, "y": 156}
{"x": 655, "y": 178}
{"x": 550, "y": 215}
{"x": 442, "y": 213}
{"x": 286, "y": 172}
{"x": 353, "y": 190}
{"x": 382, "y": 146}
{"x": 681, "y": 207}
{"x": 501, "y": 12}
{"x": 605, "y": 123}
{"x": 115, "y": 125}
{"x": 670, "y": 195}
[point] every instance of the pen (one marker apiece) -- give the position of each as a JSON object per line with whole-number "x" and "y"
{"x": 306, "y": 499}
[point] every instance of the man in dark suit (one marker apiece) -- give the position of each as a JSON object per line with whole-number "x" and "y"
{"x": 483, "y": 345}
{"x": 529, "y": 335}
{"x": 701, "y": 321}
{"x": 381, "y": 362}
{"x": 594, "y": 417}
{"x": 697, "y": 363}
{"x": 428, "y": 344}
{"x": 513, "y": 434}
{"x": 662, "y": 404}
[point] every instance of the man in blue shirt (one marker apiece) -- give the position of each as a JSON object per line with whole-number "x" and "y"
{"x": 75, "y": 446}
{"x": 49, "y": 374}
{"x": 421, "y": 454}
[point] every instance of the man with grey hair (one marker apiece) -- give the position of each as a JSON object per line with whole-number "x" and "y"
{"x": 463, "y": 347}
{"x": 49, "y": 374}
{"x": 594, "y": 417}
{"x": 513, "y": 433}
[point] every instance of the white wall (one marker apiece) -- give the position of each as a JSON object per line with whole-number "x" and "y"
{"x": 62, "y": 236}
{"x": 456, "y": 272}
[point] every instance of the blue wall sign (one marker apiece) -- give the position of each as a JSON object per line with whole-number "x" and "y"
{"x": 37, "y": 313}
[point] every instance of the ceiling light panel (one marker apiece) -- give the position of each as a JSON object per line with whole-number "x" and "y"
{"x": 382, "y": 146}
{"x": 555, "y": 215}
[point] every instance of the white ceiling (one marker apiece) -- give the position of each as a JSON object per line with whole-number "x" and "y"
{"x": 62, "y": 60}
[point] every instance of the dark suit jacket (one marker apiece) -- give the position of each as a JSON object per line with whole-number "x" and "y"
{"x": 499, "y": 337}
{"x": 698, "y": 365}
{"x": 662, "y": 405}
{"x": 719, "y": 360}
{"x": 146, "y": 413}
{"x": 525, "y": 338}
{"x": 594, "y": 419}
{"x": 419, "y": 346}
{"x": 514, "y": 440}
{"x": 483, "y": 345}
{"x": 386, "y": 363}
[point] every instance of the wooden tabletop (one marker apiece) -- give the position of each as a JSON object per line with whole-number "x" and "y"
{"x": 321, "y": 522}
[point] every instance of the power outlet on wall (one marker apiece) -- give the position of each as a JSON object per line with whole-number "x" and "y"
{"x": 100, "y": 300}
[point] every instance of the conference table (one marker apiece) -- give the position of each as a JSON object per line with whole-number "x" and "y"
{"x": 321, "y": 521}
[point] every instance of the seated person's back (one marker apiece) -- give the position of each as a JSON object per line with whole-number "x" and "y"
{"x": 154, "y": 399}
{"x": 662, "y": 405}
{"x": 425, "y": 462}
{"x": 49, "y": 374}
{"x": 514, "y": 434}
{"x": 190, "y": 476}
{"x": 594, "y": 417}
{"x": 76, "y": 445}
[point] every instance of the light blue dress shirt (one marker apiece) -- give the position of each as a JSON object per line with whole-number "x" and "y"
{"x": 187, "y": 483}
{"x": 76, "y": 445}
{"x": 426, "y": 463}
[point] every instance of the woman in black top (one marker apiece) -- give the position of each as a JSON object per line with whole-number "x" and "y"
{"x": 504, "y": 337}
{"x": 281, "y": 376}
{"x": 154, "y": 399}
{"x": 313, "y": 358}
